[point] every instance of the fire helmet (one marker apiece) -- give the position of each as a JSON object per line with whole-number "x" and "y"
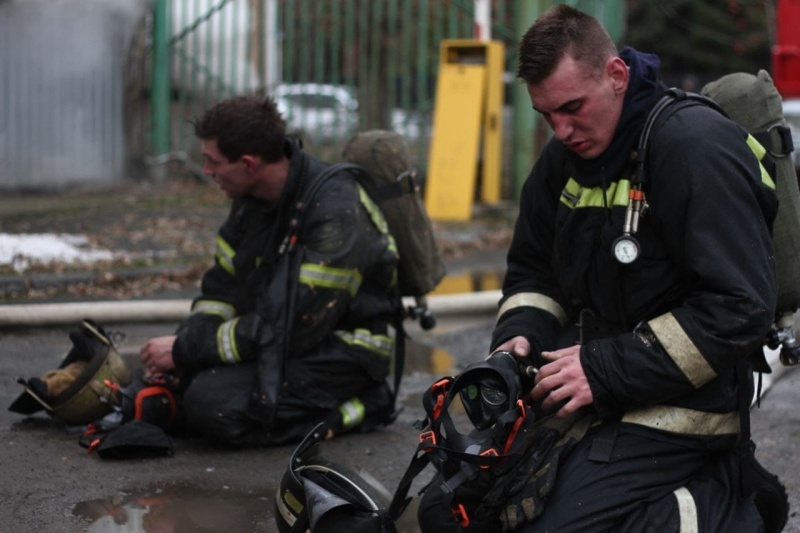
{"x": 319, "y": 495}
{"x": 85, "y": 387}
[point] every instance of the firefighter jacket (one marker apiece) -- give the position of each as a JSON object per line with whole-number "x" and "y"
{"x": 278, "y": 288}
{"x": 699, "y": 299}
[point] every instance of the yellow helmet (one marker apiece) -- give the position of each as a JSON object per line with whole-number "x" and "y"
{"x": 85, "y": 387}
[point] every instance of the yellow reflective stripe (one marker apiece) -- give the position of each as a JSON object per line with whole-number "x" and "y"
{"x": 684, "y": 421}
{"x": 759, "y": 151}
{"x": 352, "y": 412}
{"x": 226, "y": 342}
{"x": 288, "y": 500}
{"x": 687, "y": 510}
{"x": 615, "y": 194}
{"x": 682, "y": 350}
{"x": 756, "y": 147}
{"x": 377, "y": 217}
{"x": 571, "y": 193}
{"x": 534, "y": 299}
{"x": 225, "y": 254}
{"x": 214, "y": 307}
{"x": 380, "y": 344}
{"x": 331, "y": 277}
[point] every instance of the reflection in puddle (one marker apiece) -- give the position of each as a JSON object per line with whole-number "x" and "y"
{"x": 470, "y": 281}
{"x": 426, "y": 359}
{"x": 177, "y": 509}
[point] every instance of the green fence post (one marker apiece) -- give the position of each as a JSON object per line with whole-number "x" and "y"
{"x": 160, "y": 94}
{"x": 525, "y": 121}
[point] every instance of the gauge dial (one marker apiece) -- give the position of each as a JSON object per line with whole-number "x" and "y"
{"x": 626, "y": 249}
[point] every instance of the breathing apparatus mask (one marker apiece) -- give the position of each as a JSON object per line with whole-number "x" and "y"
{"x": 491, "y": 395}
{"x": 490, "y": 388}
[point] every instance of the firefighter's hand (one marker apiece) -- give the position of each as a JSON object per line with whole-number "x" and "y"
{"x": 519, "y": 346}
{"x": 157, "y": 355}
{"x": 562, "y": 382}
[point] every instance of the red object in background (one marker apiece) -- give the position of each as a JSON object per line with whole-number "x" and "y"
{"x": 786, "y": 52}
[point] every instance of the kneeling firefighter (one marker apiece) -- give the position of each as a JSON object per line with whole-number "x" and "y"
{"x": 498, "y": 466}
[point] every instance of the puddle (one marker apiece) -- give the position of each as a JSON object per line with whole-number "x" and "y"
{"x": 427, "y": 359}
{"x": 188, "y": 509}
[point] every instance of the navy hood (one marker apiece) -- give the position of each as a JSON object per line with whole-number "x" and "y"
{"x": 643, "y": 92}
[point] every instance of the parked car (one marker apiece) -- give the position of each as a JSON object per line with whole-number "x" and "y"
{"x": 327, "y": 112}
{"x": 318, "y": 111}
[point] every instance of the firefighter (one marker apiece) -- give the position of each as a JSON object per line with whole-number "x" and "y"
{"x": 290, "y": 327}
{"x": 664, "y": 314}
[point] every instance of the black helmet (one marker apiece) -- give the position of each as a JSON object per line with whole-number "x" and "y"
{"x": 319, "y": 495}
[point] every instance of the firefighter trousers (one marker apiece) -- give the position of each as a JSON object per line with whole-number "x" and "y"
{"x": 635, "y": 480}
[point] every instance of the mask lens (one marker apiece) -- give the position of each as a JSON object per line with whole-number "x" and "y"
{"x": 484, "y": 401}
{"x": 493, "y": 395}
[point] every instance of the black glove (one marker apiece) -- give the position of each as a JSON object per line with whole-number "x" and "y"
{"x": 521, "y": 488}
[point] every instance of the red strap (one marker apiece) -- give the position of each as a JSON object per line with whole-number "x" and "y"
{"x": 92, "y": 445}
{"x": 439, "y": 391}
{"x": 427, "y": 436}
{"x": 486, "y": 453}
{"x": 515, "y": 428}
{"x": 461, "y": 516}
{"x": 154, "y": 391}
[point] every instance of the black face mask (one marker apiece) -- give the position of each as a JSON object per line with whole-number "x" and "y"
{"x": 489, "y": 388}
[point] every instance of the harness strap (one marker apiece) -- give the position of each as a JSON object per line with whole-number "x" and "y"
{"x": 777, "y": 140}
{"x": 400, "y": 500}
{"x": 671, "y": 95}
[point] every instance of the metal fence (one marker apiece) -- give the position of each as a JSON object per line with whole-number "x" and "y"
{"x": 88, "y": 87}
{"x": 333, "y": 66}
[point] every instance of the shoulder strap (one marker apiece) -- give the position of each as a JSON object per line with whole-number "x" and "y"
{"x": 672, "y": 97}
{"x": 298, "y": 210}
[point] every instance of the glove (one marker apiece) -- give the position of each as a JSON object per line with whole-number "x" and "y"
{"x": 520, "y": 491}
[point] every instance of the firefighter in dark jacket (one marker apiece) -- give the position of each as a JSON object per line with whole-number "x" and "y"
{"x": 662, "y": 324}
{"x": 291, "y": 326}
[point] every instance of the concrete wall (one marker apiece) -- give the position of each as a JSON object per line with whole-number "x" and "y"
{"x": 62, "y": 67}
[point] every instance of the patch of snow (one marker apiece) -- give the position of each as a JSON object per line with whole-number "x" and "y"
{"x": 22, "y": 250}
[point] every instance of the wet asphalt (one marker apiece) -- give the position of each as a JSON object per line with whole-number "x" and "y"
{"x": 50, "y": 483}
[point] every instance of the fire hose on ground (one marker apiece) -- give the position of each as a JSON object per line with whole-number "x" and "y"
{"x": 121, "y": 311}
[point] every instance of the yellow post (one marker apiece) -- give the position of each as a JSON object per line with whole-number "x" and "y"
{"x": 468, "y": 110}
{"x": 493, "y": 124}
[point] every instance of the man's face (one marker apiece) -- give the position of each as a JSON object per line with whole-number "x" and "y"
{"x": 233, "y": 178}
{"x": 582, "y": 105}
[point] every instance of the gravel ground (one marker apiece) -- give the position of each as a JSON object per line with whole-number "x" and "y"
{"x": 165, "y": 233}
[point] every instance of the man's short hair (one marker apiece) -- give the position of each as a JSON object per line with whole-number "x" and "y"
{"x": 562, "y": 30}
{"x": 244, "y": 125}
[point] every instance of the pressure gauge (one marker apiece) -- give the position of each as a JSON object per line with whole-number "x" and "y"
{"x": 626, "y": 249}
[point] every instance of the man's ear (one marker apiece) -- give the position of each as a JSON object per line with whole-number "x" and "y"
{"x": 250, "y": 162}
{"x": 617, "y": 70}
